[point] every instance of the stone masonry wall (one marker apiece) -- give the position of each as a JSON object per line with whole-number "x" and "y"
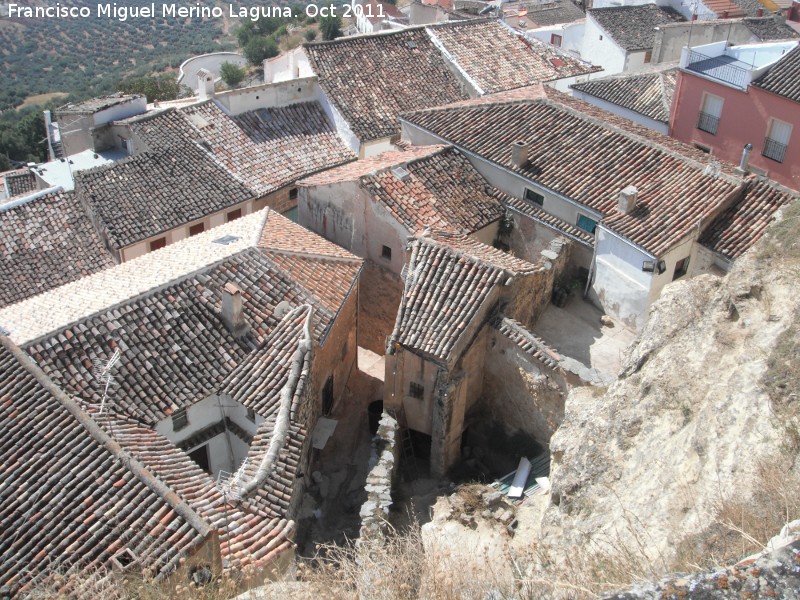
{"x": 384, "y": 459}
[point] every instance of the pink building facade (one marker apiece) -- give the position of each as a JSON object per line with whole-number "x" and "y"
{"x": 721, "y": 105}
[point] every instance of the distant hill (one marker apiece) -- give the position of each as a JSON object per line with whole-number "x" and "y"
{"x": 87, "y": 56}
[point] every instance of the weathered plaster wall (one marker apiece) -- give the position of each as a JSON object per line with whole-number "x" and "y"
{"x": 672, "y": 38}
{"x": 521, "y": 392}
{"x": 529, "y": 237}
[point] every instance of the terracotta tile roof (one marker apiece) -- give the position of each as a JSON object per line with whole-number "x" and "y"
{"x": 649, "y": 94}
{"x": 45, "y": 243}
{"x": 725, "y": 8}
{"x": 93, "y": 105}
{"x": 271, "y": 147}
{"x": 172, "y": 183}
{"x": 589, "y": 155}
{"x": 19, "y": 182}
{"x": 279, "y": 234}
{"x": 67, "y": 498}
{"x": 526, "y": 341}
{"x": 742, "y": 225}
{"x": 769, "y": 28}
{"x": 633, "y": 27}
{"x": 74, "y": 301}
{"x": 366, "y": 166}
{"x": 449, "y": 279}
{"x": 554, "y": 12}
{"x": 395, "y": 72}
{"x": 175, "y": 349}
{"x": 783, "y": 78}
{"x": 497, "y": 58}
{"x": 540, "y": 215}
{"x": 440, "y": 190}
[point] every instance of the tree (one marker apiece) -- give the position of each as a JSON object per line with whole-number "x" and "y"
{"x": 154, "y": 87}
{"x": 331, "y": 27}
{"x": 311, "y": 35}
{"x": 232, "y": 74}
{"x": 259, "y": 49}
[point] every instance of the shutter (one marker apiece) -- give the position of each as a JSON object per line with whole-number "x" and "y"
{"x": 780, "y": 132}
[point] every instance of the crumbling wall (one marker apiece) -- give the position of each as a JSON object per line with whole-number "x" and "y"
{"x": 521, "y": 392}
{"x": 384, "y": 459}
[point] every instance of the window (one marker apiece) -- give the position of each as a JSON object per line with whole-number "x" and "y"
{"x": 196, "y": 228}
{"x": 386, "y": 253}
{"x": 179, "y": 419}
{"x": 251, "y": 415}
{"x": 200, "y": 456}
{"x": 327, "y": 396}
{"x": 555, "y": 39}
{"x": 233, "y": 215}
{"x": 648, "y": 57}
{"x": 710, "y": 113}
{"x": 416, "y": 390}
{"x": 777, "y": 140}
{"x": 681, "y": 268}
{"x": 293, "y": 194}
{"x": 586, "y": 223}
{"x": 534, "y": 197}
{"x": 159, "y": 243}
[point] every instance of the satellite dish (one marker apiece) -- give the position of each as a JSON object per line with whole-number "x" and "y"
{"x": 282, "y": 309}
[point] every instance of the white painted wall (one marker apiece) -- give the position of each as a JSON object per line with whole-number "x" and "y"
{"x": 287, "y": 66}
{"x": 600, "y": 49}
{"x": 619, "y": 284}
{"x": 623, "y": 112}
{"x": 335, "y": 117}
{"x": 226, "y": 451}
{"x": 268, "y": 95}
{"x": 572, "y": 35}
{"x": 120, "y": 111}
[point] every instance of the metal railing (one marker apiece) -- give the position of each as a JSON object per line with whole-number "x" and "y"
{"x": 774, "y": 150}
{"x": 718, "y": 67}
{"x": 707, "y": 122}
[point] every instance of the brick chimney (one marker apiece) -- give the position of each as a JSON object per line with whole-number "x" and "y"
{"x": 627, "y": 200}
{"x": 519, "y": 154}
{"x": 232, "y": 314}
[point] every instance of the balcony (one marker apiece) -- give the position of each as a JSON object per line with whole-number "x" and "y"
{"x": 707, "y": 122}
{"x": 724, "y": 68}
{"x": 774, "y": 150}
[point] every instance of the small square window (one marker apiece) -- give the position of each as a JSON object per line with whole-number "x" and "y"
{"x": 648, "y": 57}
{"x": 180, "y": 420}
{"x": 416, "y": 390}
{"x": 197, "y": 229}
{"x": 586, "y": 223}
{"x": 386, "y": 253}
{"x": 157, "y": 244}
{"x": 681, "y": 268}
{"x": 233, "y": 215}
{"x": 293, "y": 194}
{"x": 251, "y": 415}
{"x": 555, "y": 39}
{"x": 534, "y": 197}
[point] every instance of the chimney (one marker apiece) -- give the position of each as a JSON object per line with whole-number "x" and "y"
{"x": 627, "y": 200}
{"x": 519, "y": 154}
{"x": 760, "y": 12}
{"x": 232, "y": 314}
{"x": 748, "y": 148}
{"x": 205, "y": 84}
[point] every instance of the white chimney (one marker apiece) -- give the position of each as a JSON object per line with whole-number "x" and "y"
{"x": 205, "y": 84}
{"x": 232, "y": 314}
{"x": 627, "y": 200}
{"x": 519, "y": 154}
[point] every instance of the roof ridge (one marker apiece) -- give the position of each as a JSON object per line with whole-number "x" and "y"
{"x": 137, "y": 469}
{"x": 375, "y": 34}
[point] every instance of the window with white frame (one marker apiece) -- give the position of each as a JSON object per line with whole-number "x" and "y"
{"x": 710, "y": 113}
{"x": 777, "y": 140}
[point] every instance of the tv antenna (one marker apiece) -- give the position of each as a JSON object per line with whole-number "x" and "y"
{"x": 102, "y": 371}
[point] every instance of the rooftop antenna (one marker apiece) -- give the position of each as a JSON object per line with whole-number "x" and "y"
{"x": 102, "y": 371}
{"x": 230, "y": 486}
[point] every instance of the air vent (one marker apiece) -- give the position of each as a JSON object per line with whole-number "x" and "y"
{"x": 412, "y": 44}
{"x": 226, "y": 240}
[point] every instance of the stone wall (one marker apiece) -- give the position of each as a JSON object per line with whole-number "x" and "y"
{"x": 384, "y": 459}
{"x": 554, "y": 261}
